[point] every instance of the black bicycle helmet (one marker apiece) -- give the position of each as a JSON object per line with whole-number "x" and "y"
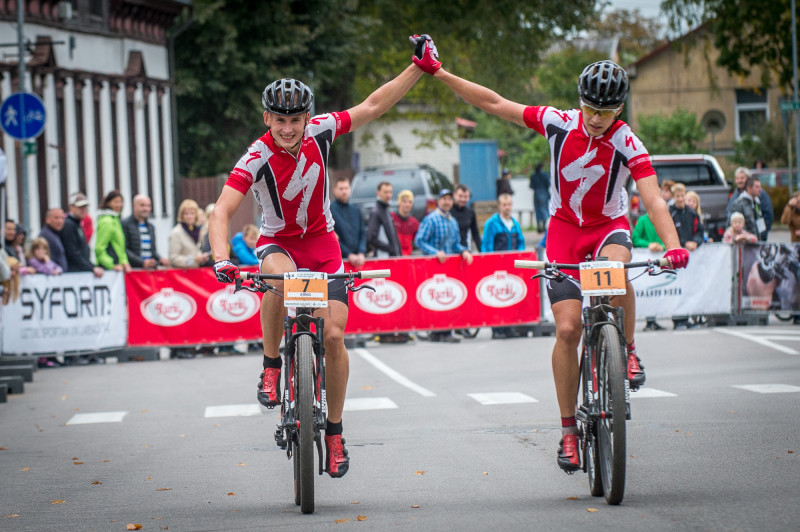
{"x": 287, "y": 97}
{"x": 604, "y": 84}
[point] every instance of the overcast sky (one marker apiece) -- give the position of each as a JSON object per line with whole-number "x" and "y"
{"x": 648, "y": 8}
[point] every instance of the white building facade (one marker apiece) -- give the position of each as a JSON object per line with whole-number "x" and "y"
{"x": 101, "y": 67}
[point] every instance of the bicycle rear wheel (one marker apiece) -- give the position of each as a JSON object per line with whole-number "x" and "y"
{"x": 591, "y": 458}
{"x": 611, "y": 422}
{"x": 304, "y": 409}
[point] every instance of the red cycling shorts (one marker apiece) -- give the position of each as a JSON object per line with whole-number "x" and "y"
{"x": 318, "y": 253}
{"x": 570, "y": 244}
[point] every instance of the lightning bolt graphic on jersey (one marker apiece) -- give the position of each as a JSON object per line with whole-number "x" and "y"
{"x": 305, "y": 182}
{"x": 577, "y": 171}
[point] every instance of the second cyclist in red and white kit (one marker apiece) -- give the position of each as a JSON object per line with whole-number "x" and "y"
{"x": 592, "y": 155}
{"x": 287, "y": 170}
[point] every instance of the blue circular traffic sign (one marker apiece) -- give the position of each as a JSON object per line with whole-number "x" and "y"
{"x": 22, "y": 115}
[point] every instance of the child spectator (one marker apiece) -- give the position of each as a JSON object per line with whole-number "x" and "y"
{"x": 687, "y": 223}
{"x": 244, "y": 245}
{"x": 693, "y": 201}
{"x": 39, "y": 258}
{"x": 736, "y": 233}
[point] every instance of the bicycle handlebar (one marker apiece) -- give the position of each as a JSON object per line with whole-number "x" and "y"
{"x": 364, "y": 274}
{"x": 541, "y": 265}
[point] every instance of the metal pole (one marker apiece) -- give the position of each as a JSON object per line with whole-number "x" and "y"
{"x": 23, "y": 162}
{"x": 795, "y": 110}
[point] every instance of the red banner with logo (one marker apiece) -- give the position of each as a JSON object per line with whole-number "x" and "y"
{"x": 188, "y": 307}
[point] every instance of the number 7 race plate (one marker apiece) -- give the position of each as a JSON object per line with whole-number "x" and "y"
{"x": 604, "y": 278}
{"x": 305, "y": 289}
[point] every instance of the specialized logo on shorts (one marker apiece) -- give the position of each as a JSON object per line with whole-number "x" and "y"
{"x": 441, "y": 293}
{"x": 501, "y": 290}
{"x": 232, "y": 307}
{"x": 168, "y": 308}
{"x": 388, "y": 296}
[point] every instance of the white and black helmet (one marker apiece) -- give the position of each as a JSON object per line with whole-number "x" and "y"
{"x": 287, "y": 97}
{"x": 604, "y": 84}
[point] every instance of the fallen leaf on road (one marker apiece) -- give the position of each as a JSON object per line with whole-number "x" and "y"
{"x": 149, "y": 478}
{"x": 689, "y": 434}
{"x": 105, "y": 460}
{"x": 28, "y": 468}
{"x": 572, "y": 498}
{"x": 790, "y": 451}
{"x": 3, "y": 448}
{"x": 485, "y": 472}
{"x": 144, "y": 410}
{"x": 415, "y": 505}
{"x": 361, "y": 518}
{"x": 57, "y": 501}
{"x": 367, "y": 387}
{"x": 591, "y": 509}
{"x": 420, "y": 473}
{"x": 96, "y": 482}
{"x": 146, "y": 445}
{"x": 164, "y": 489}
{"x": 132, "y": 526}
{"x": 12, "y": 515}
{"x": 181, "y": 435}
{"x": 78, "y": 463}
{"x": 75, "y": 458}
{"x": 340, "y": 521}
{"x": 354, "y": 502}
{"x": 64, "y": 397}
{"x": 241, "y": 464}
{"x": 231, "y": 493}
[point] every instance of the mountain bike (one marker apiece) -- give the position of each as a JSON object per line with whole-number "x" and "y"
{"x": 605, "y": 390}
{"x": 304, "y": 407}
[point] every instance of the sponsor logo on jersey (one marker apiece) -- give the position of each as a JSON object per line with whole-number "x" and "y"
{"x": 232, "y": 307}
{"x": 168, "y": 308}
{"x": 388, "y": 296}
{"x": 501, "y": 289}
{"x": 441, "y": 293}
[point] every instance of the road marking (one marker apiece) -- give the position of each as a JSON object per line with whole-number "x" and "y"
{"x": 502, "y": 398}
{"x": 368, "y": 403}
{"x": 96, "y": 417}
{"x": 646, "y": 393}
{"x": 251, "y": 409}
{"x": 768, "y": 388}
{"x": 392, "y": 374}
{"x": 759, "y": 340}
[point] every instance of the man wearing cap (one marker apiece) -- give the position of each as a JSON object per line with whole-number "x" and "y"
{"x": 75, "y": 245}
{"x": 503, "y": 183}
{"x": 439, "y": 235}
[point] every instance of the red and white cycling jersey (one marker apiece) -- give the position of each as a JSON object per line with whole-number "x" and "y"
{"x": 589, "y": 186}
{"x": 292, "y": 192}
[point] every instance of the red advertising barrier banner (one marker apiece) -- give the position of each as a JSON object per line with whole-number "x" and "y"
{"x": 188, "y": 307}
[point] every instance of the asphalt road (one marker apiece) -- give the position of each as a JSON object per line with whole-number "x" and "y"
{"x": 713, "y": 443}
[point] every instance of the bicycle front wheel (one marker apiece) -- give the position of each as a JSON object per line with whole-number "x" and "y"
{"x": 304, "y": 397}
{"x": 610, "y": 424}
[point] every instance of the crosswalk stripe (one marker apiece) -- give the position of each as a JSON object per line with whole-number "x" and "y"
{"x": 646, "y": 393}
{"x": 368, "y": 403}
{"x": 96, "y": 417}
{"x": 252, "y": 409}
{"x": 759, "y": 340}
{"x": 768, "y": 388}
{"x": 502, "y": 398}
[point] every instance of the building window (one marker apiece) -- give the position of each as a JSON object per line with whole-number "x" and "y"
{"x": 752, "y": 112}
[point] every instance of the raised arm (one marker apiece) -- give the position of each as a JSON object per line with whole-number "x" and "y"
{"x": 384, "y": 98}
{"x": 483, "y": 98}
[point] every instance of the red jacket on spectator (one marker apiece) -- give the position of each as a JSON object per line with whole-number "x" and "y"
{"x": 406, "y": 231}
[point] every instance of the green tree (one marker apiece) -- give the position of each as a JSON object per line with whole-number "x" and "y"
{"x": 747, "y": 33}
{"x": 677, "y": 133}
{"x": 770, "y": 145}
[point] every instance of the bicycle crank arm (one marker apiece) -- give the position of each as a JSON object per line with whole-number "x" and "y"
{"x": 318, "y": 440}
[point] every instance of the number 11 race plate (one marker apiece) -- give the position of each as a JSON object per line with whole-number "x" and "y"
{"x": 604, "y": 278}
{"x": 305, "y": 289}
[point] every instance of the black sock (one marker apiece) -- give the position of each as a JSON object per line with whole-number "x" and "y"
{"x": 333, "y": 429}
{"x": 273, "y": 362}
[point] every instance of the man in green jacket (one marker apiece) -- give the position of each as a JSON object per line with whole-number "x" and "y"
{"x": 645, "y": 235}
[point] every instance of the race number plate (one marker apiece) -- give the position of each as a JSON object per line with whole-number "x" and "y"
{"x": 604, "y": 278}
{"x": 305, "y": 289}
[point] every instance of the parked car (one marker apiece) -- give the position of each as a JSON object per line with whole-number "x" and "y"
{"x": 776, "y": 182}
{"x": 699, "y": 172}
{"x": 423, "y": 180}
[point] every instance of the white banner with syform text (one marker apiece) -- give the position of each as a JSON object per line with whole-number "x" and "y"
{"x": 704, "y": 287}
{"x": 69, "y": 312}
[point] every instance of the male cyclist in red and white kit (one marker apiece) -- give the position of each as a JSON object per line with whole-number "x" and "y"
{"x": 287, "y": 171}
{"x": 592, "y": 155}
